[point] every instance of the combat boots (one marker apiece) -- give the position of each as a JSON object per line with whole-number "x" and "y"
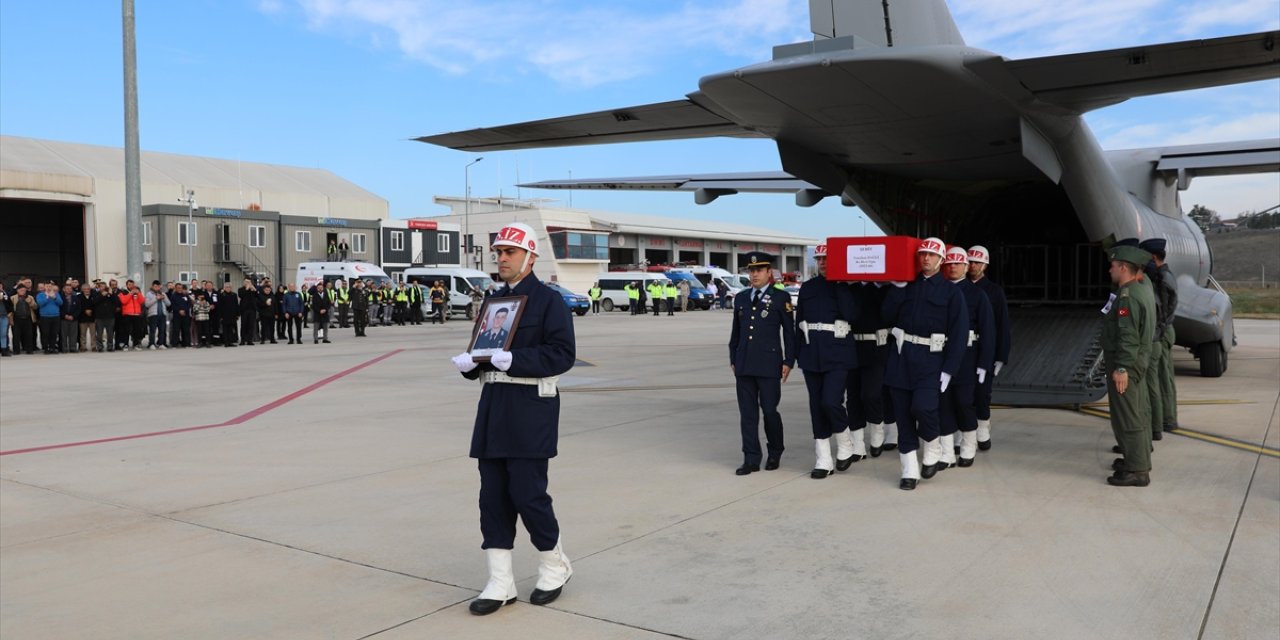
{"x": 1129, "y": 479}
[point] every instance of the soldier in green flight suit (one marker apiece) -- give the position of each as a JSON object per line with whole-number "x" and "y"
{"x": 1126, "y": 345}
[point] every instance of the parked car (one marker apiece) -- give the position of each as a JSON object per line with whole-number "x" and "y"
{"x": 577, "y": 304}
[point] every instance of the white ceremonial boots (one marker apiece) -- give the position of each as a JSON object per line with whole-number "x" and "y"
{"x": 968, "y": 447}
{"x": 948, "y": 444}
{"x": 822, "y": 451}
{"x": 850, "y": 448}
{"x": 910, "y": 471}
{"x": 890, "y": 436}
{"x": 553, "y": 571}
{"x": 931, "y": 455}
{"x": 984, "y": 434}
{"x": 875, "y": 435}
{"x": 501, "y": 588}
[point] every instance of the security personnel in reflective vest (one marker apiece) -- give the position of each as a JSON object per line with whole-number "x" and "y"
{"x": 1127, "y": 334}
{"x": 342, "y": 300}
{"x": 826, "y": 352}
{"x": 671, "y": 293}
{"x": 979, "y": 259}
{"x": 594, "y": 293}
{"x": 655, "y": 294}
{"x": 517, "y": 424}
{"x": 1164, "y": 393}
{"x": 930, "y": 329}
{"x": 867, "y": 400}
{"x": 957, "y": 411}
{"x": 633, "y": 297}
{"x": 402, "y": 304}
{"x": 761, "y": 354}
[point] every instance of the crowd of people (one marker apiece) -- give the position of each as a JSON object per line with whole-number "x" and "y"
{"x": 100, "y": 316}
{"x": 911, "y": 365}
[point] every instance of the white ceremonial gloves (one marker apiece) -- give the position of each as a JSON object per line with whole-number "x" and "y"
{"x": 946, "y": 381}
{"x": 463, "y": 362}
{"x": 999, "y": 365}
{"x": 501, "y": 360}
{"x": 899, "y": 283}
{"x": 982, "y": 375}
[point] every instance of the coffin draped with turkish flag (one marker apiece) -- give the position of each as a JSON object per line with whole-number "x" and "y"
{"x": 872, "y": 259}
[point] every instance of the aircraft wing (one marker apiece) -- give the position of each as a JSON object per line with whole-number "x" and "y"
{"x": 706, "y": 187}
{"x": 1081, "y": 82}
{"x": 1219, "y": 159}
{"x": 674, "y": 120}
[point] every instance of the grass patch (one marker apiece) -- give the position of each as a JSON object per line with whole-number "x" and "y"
{"x": 1255, "y": 303}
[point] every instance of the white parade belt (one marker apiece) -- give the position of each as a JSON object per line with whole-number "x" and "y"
{"x": 935, "y": 341}
{"x": 840, "y": 328}
{"x": 546, "y": 386}
{"x": 881, "y": 337}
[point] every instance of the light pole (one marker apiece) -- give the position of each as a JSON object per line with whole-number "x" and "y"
{"x": 190, "y": 200}
{"x": 466, "y": 217}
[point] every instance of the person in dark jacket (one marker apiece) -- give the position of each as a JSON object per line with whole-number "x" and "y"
{"x": 69, "y": 337}
{"x": 957, "y": 411}
{"x": 180, "y": 316}
{"x": 226, "y": 308}
{"x": 979, "y": 260}
{"x": 86, "y": 299}
{"x": 25, "y": 317}
{"x": 320, "y": 307}
{"x": 761, "y": 355}
{"x": 517, "y": 425}
{"x": 105, "y": 312}
{"x": 360, "y": 306}
{"x": 266, "y": 315}
{"x": 292, "y": 309}
{"x": 248, "y": 299}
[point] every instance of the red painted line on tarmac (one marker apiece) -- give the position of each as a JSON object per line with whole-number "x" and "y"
{"x": 240, "y": 419}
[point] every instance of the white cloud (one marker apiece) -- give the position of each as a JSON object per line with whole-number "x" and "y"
{"x": 1244, "y": 15}
{"x": 582, "y": 44}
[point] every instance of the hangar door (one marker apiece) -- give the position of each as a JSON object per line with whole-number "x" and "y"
{"x": 44, "y": 240}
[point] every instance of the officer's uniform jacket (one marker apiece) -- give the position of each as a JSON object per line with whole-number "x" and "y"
{"x": 868, "y": 298}
{"x": 513, "y": 421}
{"x": 1000, "y": 312}
{"x": 763, "y": 335}
{"x": 1166, "y": 294}
{"x": 359, "y": 299}
{"x": 982, "y": 322}
{"x": 1128, "y": 330}
{"x": 822, "y": 301}
{"x": 924, "y": 307}
{"x": 492, "y": 340}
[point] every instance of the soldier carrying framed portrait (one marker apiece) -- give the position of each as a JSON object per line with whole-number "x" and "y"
{"x": 495, "y": 326}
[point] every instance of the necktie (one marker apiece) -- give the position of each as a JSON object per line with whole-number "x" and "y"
{"x": 755, "y": 300}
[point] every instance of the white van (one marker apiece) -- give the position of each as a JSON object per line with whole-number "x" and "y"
{"x": 735, "y": 281}
{"x": 312, "y": 273}
{"x": 460, "y": 281}
{"x": 612, "y": 296}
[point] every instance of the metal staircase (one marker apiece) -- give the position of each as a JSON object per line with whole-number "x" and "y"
{"x": 243, "y": 258}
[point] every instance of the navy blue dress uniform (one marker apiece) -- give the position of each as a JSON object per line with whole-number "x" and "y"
{"x": 826, "y": 352}
{"x": 1003, "y": 341}
{"x": 957, "y": 402}
{"x": 930, "y": 329}
{"x": 867, "y": 398}
{"x": 761, "y": 342}
{"x": 516, "y": 429}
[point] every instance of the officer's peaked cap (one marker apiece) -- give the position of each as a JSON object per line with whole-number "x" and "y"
{"x": 759, "y": 259}
{"x": 1127, "y": 242}
{"x": 1154, "y": 245}
{"x": 1130, "y": 254}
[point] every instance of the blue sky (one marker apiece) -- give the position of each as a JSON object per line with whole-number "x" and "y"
{"x": 345, "y": 84}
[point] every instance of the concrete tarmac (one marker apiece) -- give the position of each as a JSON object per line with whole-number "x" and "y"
{"x": 324, "y": 491}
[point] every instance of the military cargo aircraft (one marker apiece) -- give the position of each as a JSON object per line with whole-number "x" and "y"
{"x": 889, "y": 110}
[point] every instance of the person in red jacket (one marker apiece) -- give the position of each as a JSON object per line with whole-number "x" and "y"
{"x": 135, "y": 327}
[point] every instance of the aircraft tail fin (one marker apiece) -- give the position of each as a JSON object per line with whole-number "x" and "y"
{"x": 887, "y": 23}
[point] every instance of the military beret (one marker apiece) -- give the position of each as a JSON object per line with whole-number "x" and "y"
{"x": 1153, "y": 245}
{"x": 1130, "y": 254}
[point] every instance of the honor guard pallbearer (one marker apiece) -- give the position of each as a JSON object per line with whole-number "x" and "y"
{"x": 517, "y": 425}
{"x": 1126, "y": 349}
{"x": 825, "y": 351}
{"x": 979, "y": 260}
{"x": 865, "y": 386}
{"x": 930, "y": 329}
{"x": 761, "y": 354}
{"x": 957, "y": 411}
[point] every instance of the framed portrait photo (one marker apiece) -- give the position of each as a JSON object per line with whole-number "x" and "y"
{"x": 495, "y": 326}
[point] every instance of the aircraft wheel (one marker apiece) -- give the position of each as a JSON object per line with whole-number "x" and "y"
{"x": 1213, "y": 360}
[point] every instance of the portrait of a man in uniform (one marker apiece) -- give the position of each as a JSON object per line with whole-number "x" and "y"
{"x": 495, "y": 325}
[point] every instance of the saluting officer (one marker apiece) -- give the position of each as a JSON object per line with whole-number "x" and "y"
{"x": 825, "y": 351}
{"x": 930, "y": 328}
{"x": 761, "y": 354}
{"x": 958, "y": 412}
{"x": 865, "y": 386}
{"x": 1164, "y": 402}
{"x": 1126, "y": 348}
{"x": 516, "y": 427}
{"x": 360, "y": 305}
{"x": 979, "y": 260}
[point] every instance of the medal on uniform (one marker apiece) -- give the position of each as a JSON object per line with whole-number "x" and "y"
{"x": 764, "y": 314}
